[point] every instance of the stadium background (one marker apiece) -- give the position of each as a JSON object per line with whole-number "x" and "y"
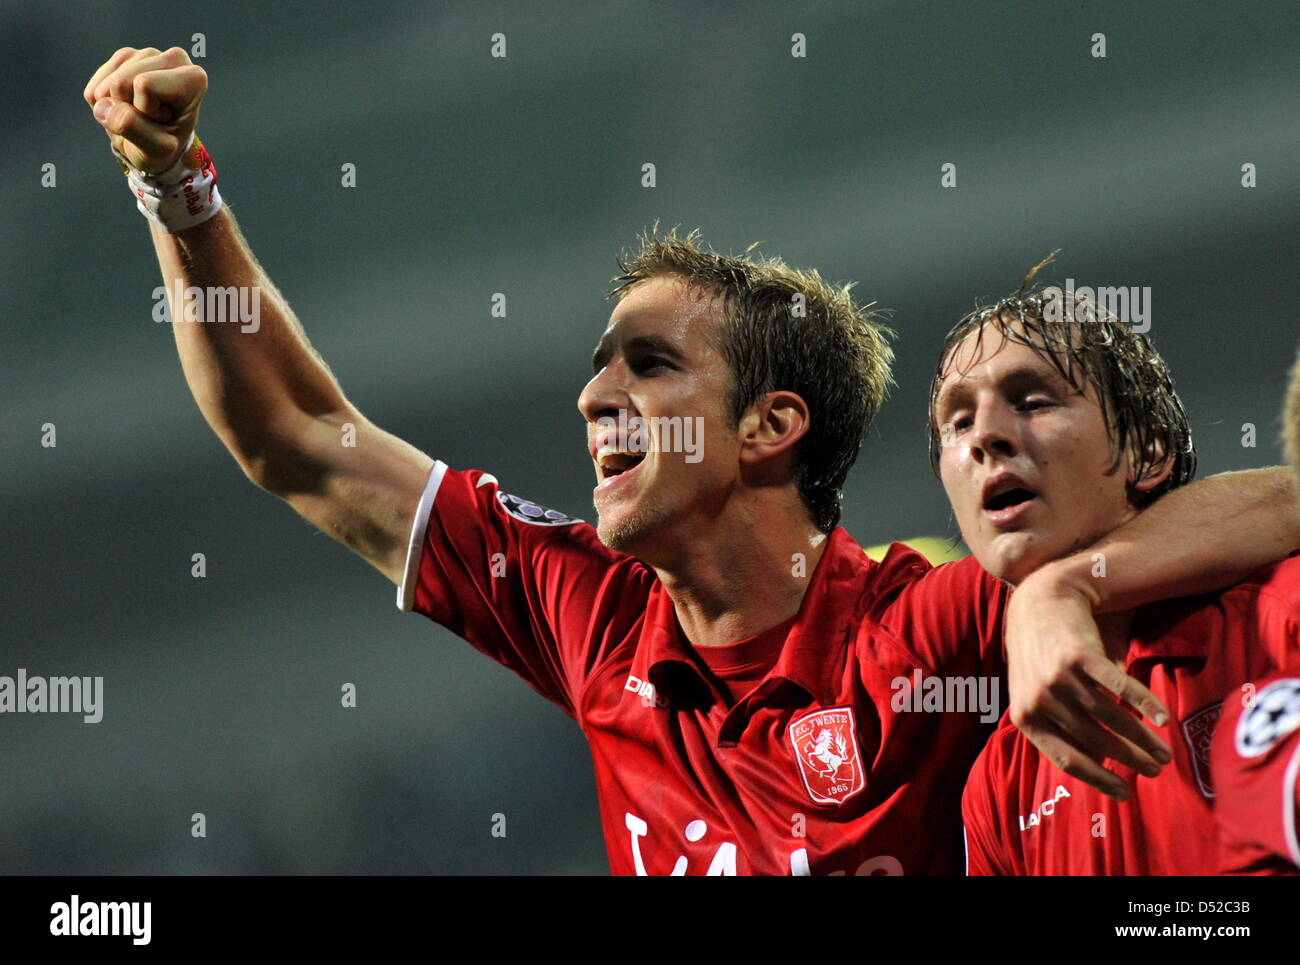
{"x": 477, "y": 175}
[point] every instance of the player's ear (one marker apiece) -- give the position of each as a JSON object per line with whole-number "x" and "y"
{"x": 1159, "y": 464}
{"x": 773, "y": 425}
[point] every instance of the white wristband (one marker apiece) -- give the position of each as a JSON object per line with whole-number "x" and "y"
{"x": 182, "y": 196}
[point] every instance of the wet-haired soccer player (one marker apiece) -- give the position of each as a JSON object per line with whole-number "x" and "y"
{"x": 1256, "y": 750}
{"x": 726, "y": 647}
{"x": 1051, "y": 428}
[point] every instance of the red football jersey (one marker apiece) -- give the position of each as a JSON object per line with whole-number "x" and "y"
{"x": 1025, "y": 816}
{"x": 835, "y": 760}
{"x": 1256, "y": 763}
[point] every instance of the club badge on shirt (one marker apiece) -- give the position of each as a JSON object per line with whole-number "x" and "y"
{"x": 826, "y": 747}
{"x": 1198, "y": 731}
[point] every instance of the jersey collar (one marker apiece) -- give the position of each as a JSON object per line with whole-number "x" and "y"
{"x": 813, "y": 653}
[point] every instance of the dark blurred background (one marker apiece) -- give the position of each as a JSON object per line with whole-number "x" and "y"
{"x": 522, "y": 175}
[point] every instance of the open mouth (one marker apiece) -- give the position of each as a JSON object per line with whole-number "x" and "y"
{"x": 613, "y": 463}
{"x": 1006, "y": 500}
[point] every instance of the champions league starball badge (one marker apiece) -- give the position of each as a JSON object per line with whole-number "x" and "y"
{"x": 529, "y": 512}
{"x": 1274, "y": 713}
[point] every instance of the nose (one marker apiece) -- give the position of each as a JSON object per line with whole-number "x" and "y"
{"x": 604, "y": 395}
{"x": 993, "y": 434}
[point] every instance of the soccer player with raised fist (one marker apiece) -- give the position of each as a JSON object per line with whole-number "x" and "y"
{"x": 727, "y": 648}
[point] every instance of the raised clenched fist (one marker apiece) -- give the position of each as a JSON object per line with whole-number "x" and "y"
{"x": 148, "y": 103}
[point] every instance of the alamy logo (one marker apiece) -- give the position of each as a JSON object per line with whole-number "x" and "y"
{"x": 945, "y": 695}
{"x": 1129, "y": 306}
{"x": 637, "y": 435}
{"x": 22, "y": 694}
{"x": 229, "y": 305}
{"x": 75, "y": 917}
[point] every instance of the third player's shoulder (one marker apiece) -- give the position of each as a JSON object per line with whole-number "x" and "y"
{"x": 1275, "y": 588}
{"x": 1269, "y": 594}
{"x": 1281, "y": 580}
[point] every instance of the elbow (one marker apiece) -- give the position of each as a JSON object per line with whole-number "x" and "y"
{"x": 258, "y": 471}
{"x": 282, "y": 471}
{"x": 289, "y": 458}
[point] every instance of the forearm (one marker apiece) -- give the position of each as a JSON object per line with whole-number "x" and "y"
{"x": 256, "y": 380}
{"x": 1203, "y": 537}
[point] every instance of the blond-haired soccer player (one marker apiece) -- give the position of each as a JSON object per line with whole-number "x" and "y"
{"x": 1051, "y": 428}
{"x": 726, "y": 647}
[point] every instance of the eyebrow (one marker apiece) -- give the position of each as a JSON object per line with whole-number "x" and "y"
{"x": 1017, "y": 376}
{"x": 640, "y": 343}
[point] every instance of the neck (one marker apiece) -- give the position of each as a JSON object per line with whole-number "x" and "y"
{"x": 737, "y": 577}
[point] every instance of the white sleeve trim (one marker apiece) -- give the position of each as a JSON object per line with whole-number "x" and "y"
{"x": 1289, "y": 805}
{"x": 414, "y": 548}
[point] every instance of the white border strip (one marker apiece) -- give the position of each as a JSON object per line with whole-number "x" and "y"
{"x": 415, "y": 547}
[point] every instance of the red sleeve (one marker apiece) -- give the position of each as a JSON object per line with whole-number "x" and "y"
{"x": 949, "y": 615}
{"x": 532, "y": 588}
{"x": 985, "y": 848}
{"x": 1256, "y": 761}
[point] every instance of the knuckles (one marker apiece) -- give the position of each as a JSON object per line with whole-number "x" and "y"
{"x": 196, "y": 77}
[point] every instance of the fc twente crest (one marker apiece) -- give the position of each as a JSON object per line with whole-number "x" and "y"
{"x": 826, "y": 747}
{"x": 1198, "y": 731}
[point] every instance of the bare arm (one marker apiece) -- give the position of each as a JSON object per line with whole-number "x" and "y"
{"x": 266, "y": 393}
{"x": 1204, "y": 537}
{"x": 275, "y": 404}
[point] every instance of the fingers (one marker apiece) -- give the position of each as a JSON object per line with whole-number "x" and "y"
{"x": 163, "y": 94}
{"x": 108, "y": 67}
{"x": 1125, "y": 688}
{"x": 1051, "y": 741}
{"x": 1139, "y": 747}
{"x": 148, "y": 102}
{"x": 154, "y": 143}
{"x": 1112, "y": 679}
{"x": 118, "y": 80}
{"x": 1096, "y": 725}
{"x": 1085, "y": 714}
{"x": 1079, "y": 721}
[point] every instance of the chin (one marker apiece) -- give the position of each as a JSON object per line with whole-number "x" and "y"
{"x": 630, "y": 531}
{"x": 1011, "y": 557}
